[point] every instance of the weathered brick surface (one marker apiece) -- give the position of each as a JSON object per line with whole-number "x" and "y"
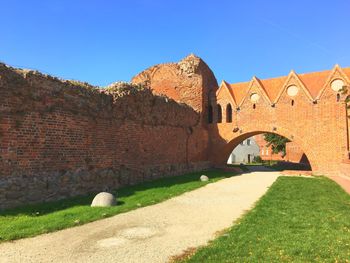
{"x": 189, "y": 81}
{"x": 61, "y": 138}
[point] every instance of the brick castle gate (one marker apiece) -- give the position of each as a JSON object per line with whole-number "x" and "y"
{"x": 308, "y": 109}
{"x": 62, "y": 138}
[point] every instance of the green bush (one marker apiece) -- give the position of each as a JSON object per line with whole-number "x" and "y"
{"x": 257, "y": 159}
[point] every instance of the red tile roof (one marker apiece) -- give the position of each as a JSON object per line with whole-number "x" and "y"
{"x": 273, "y": 86}
{"x": 238, "y": 91}
{"x": 313, "y": 81}
{"x": 347, "y": 72}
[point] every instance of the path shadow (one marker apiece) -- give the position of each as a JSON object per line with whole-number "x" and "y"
{"x": 259, "y": 168}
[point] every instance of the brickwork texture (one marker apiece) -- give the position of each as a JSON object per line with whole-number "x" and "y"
{"x": 63, "y": 138}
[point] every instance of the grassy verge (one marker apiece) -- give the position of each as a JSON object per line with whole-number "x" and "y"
{"x": 33, "y": 220}
{"x": 298, "y": 220}
{"x": 280, "y": 166}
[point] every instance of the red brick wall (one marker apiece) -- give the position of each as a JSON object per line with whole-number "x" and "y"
{"x": 294, "y": 153}
{"x": 60, "y": 139}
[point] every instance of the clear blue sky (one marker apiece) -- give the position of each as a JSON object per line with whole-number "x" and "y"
{"x": 101, "y": 41}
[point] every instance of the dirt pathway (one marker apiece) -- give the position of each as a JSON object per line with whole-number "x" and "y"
{"x": 343, "y": 181}
{"x": 149, "y": 234}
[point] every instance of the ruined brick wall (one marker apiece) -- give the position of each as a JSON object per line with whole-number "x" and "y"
{"x": 62, "y": 138}
{"x": 189, "y": 81}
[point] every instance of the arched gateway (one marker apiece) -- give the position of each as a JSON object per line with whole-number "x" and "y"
{"x": 63, "y": 138}
{"x": 308, "y": 109}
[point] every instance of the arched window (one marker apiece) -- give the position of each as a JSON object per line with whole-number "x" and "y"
{"x": 219, "y": 114}
{"x": 210, "y": 114}
{"x": 228, "y": 113}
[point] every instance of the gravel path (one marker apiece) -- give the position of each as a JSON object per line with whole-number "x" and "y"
{"x": 149, "y": 234}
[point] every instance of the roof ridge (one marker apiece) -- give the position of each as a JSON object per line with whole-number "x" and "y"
{"x": 242, "y": 82}
{"x": 312, "y": 83}
{"x": 283, "y": 76}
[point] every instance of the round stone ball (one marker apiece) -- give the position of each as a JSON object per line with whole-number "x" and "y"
{"x": 104, "y": 199}
{"x": 204, "y": 178}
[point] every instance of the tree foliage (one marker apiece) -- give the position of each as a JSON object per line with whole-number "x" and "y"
{"x": 277, "y": 143}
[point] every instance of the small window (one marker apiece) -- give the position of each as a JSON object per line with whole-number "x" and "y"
{"x": 254, "y": 106}
{"x": 337, "y": 85}
{"x": 210, "y": 114}
{"x": 219, "y": 114}
{"x": 242, "y": 143}
{"x": 338, "y": 97}
{"x": 248, "y": 142}
{"x": 228, "y": 113}
{"x": 292, "y": 102}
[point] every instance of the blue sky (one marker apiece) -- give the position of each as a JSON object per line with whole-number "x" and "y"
{"x": 101, "y": 41}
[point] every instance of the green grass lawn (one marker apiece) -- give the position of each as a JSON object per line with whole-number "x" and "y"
{"x": 33, "y": 220}
{"x": 298, "y": 220}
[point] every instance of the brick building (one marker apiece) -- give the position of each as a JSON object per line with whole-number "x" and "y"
{"x": 266, "y": 153}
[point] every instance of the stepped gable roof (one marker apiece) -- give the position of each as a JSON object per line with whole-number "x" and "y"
{"x": 314, "y": 82}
